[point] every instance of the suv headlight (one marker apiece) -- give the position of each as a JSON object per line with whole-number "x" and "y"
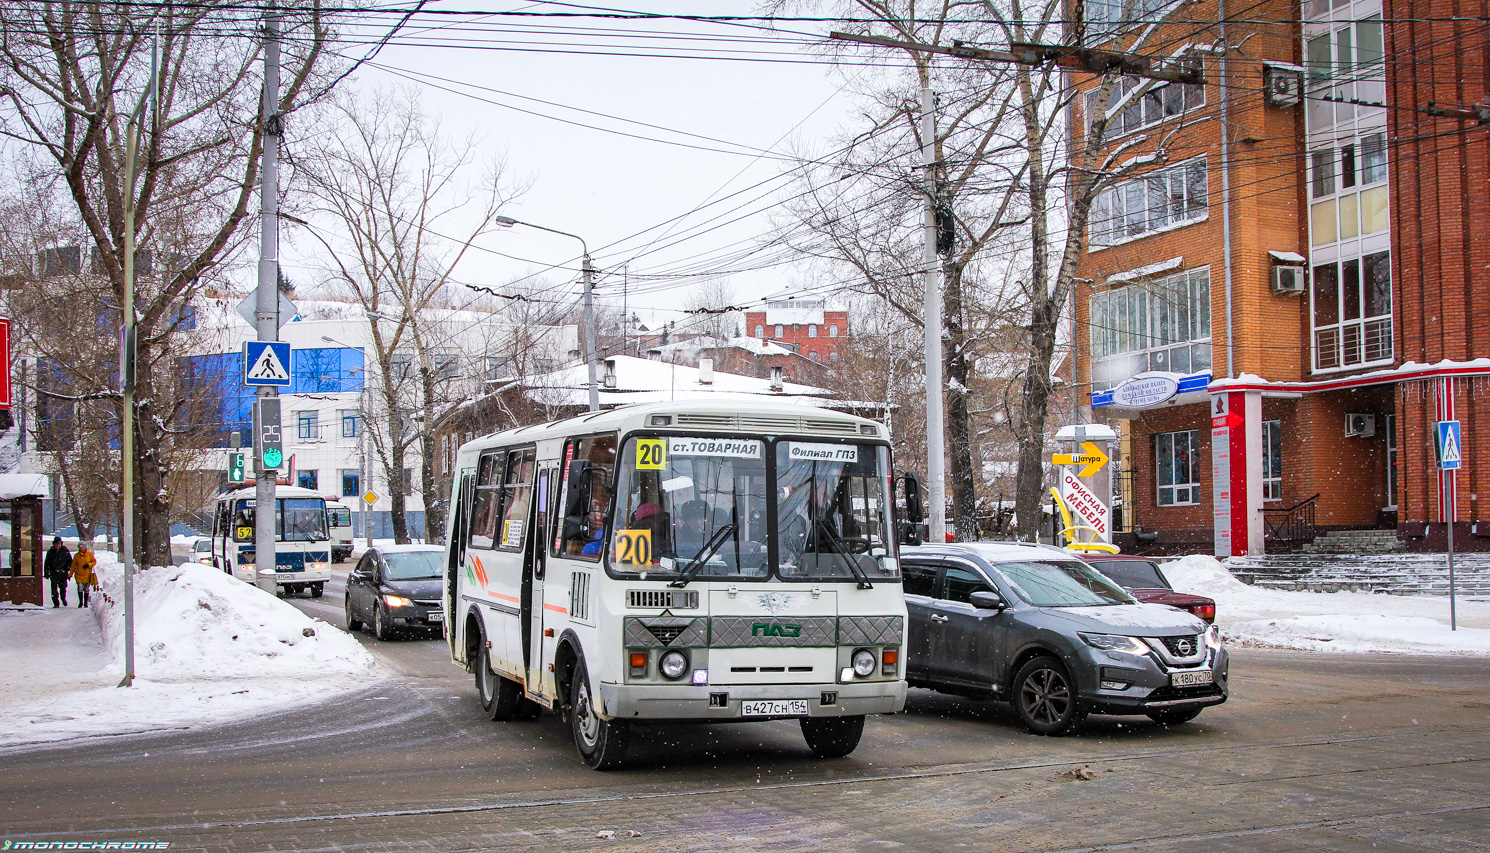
{"x": 1116, "y": 643}
{"x": 1213, "y": 638}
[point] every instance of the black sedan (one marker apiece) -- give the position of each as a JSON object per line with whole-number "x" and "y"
{"x": 395, "y": 586}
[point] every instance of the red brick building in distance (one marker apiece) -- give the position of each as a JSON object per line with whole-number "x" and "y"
{"x": 1275, "y": 319}
{"x": 799, "y": 322}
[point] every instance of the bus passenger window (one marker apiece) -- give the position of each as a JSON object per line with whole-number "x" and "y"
{"x": 586, "y": 483}
{"x": 517, "y": 496}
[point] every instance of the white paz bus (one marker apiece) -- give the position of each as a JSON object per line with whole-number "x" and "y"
{"x": 302, "y": 540}
{"x": 680, "y": 562}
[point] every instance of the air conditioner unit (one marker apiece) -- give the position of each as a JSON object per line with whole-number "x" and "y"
{"x": 1288, "y": 279}
{"x": 1360, "y": 425}
{"x": 1283, "y": 86}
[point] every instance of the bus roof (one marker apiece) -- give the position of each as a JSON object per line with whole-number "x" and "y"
{"x": 279, "y": 492}
{"x": 730, "y": 415}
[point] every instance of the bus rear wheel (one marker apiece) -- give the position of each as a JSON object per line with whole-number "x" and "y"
{"x": 832, "y": 737}
{"x": 601, "y": 743}
{"x": 499, "y": 696}
{"x": 317, "y": 590}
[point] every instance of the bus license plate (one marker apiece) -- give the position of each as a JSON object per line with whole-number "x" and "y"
{"x": 773, "y": 708}
{"x": 1190, "y": 679}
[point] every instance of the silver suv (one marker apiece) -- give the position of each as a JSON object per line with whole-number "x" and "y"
{"x": 1036, "y": 627}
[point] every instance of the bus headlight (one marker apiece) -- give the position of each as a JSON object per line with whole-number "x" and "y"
{"x": 864, "y": 663}
{"x": 673, "y": 665}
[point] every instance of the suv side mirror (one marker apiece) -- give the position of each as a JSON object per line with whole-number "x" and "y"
{"x": 985, "y": 600}
{"x": 915, "y": 513}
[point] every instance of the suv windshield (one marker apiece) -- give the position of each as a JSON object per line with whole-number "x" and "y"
{"x": 1064, "y": 583}
{"x": 700, "y": 506}
{"x": 1132, "y": 574}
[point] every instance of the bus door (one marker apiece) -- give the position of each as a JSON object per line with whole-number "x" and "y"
{"x": 455, "y": 557}
{"x": 534, "y": 565}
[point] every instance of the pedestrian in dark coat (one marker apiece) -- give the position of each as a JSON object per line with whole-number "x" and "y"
{"x": 58, "y": 569}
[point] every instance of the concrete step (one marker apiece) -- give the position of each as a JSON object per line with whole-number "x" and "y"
{"x": 1400, "y": 574}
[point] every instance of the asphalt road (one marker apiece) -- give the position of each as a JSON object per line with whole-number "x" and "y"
{"x": 1347, "y": 752}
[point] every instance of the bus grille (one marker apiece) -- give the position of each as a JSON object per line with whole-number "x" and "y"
{"x": 678, "y": 599}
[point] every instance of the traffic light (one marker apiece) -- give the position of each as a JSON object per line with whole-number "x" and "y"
{"x": 267, "y": 433}
{"x": 235, "y": 467}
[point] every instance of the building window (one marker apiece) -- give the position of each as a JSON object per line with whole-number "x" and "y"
{"x": 760, "y": 331}
{"x": 351, "y": 482}
{"x": 1162, "y": 325}
{"x": 308, "y": 479}
{"x": 1107, "y": 18}
{"x": 1156, "y": 104}
{"x": 351, "y": 423}
{"x": 399, "y": 364}
{"x": 833, "y": 330}
{"x": 1176, "y": 456}
{"x": 1159, "y": 201}
{"x": 812, "y": 330}
{"x": 1351, "y": 301}
{"x": 307, "y": 426}
{"x": 1346, "y": 71}
{"x": 408, "y": 481}
{"x": 780, "y": 332}
{"x": 1348, "y": 190}
{"x": 1272, "y": 460}
{"x": 833, "y": 355}
{"x": 497, "y": 367}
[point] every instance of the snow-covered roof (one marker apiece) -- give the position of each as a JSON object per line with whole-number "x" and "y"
{"x": 640, "y": 380}
{"x": 692, "y": 347}
{"x": 14, "y": 486}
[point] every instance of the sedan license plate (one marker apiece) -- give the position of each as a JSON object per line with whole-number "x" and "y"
{"x": 436, "y": 617}
{"x": 773, "y": 708}
{"x": 1190, "y": 679}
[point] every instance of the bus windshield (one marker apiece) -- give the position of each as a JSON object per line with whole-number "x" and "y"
{"x": 699, "y": 506}
{"x": 304, "y": 517}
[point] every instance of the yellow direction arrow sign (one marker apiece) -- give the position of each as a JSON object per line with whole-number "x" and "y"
{"x": 1093, "y": 459}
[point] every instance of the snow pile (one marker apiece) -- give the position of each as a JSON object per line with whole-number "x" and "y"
{"x": 194, "y": 622}
{"x": 208, "y": 649}
{"x": 1332, "y": 621}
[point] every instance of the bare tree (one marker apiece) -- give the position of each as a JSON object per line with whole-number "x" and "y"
{"x": 71, "y": 72}
{"x": 1012, "y": 195}
{"x": 408, "y": 205}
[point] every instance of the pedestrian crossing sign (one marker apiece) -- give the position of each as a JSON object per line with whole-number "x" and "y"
{"x": 266, "y": 363}
{"x": 1450, "y": 448}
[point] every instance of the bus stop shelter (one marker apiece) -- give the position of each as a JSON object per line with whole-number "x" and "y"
{"x": 21, "y": 538}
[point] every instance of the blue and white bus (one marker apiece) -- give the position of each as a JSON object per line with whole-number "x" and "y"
{"x": 302, "y": 559}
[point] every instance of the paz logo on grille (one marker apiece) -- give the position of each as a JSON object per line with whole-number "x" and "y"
{"x": 774, "y": 629}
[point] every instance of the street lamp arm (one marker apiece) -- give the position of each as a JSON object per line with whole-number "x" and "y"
{"x": 508, "y": 222}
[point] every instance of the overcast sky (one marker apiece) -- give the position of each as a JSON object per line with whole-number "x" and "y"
{"x": 620, "y": 192}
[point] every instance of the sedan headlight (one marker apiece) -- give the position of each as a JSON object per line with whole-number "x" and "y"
{"x": 397, "y": 601}
{"x": 1116, "y": 643}
{"x": 864, "y": 663}
{"x": 673, "y": 665}
{"x": 1213, "y": 638}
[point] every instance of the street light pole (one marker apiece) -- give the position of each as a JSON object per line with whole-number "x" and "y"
{"x": 587, "y": 271}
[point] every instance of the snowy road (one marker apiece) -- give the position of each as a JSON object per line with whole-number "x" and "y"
{"x": 1328, "y": 751}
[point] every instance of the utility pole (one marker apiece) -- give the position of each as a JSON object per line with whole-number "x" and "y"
{"x": 590, "y": 342}
{"x": 936, "y": 461}
{"x": 127, "y": 352}
{"x": 266, "y": 315}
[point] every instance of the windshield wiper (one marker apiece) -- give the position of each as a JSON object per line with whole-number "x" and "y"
{"x": 836, "y": 545}
{"x": 697, "y": 562}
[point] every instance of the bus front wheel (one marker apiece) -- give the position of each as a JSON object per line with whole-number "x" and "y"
{"x": 601, "y": 743}
{"x": 832, "y": 737}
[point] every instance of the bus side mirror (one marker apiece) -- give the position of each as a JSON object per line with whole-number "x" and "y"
{"x": 577, "y": 500}
{"x": 915, "y": 513}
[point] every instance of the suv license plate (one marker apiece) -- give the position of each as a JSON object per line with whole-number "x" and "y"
{"x": 1190, "y": 679}
{"x": 773, "y": 708}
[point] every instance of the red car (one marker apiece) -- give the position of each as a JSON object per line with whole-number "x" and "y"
{"x": 1143, "y": 580}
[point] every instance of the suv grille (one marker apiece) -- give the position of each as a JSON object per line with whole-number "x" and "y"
{"x": 1182, "y": 647}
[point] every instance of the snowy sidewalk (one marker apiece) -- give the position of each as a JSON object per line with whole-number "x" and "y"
{"x": 208, "y": 649}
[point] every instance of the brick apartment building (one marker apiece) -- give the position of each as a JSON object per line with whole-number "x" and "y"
{"x": 1339, "y": 236}
{"x": 799, "y": 322}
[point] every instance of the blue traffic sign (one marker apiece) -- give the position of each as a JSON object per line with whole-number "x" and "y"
{"x": 1450, "y": 448}
{"x": 266, "y": 363}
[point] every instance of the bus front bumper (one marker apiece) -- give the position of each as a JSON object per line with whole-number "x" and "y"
{"x": 722, "y": 702}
